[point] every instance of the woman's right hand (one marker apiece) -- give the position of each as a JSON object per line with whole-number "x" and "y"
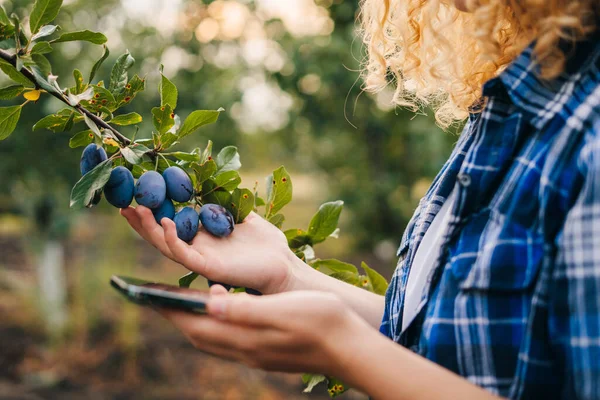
{"x": 256, "y": 254}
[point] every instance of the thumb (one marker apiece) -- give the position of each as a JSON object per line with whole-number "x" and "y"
{"x": 245, "y": 309}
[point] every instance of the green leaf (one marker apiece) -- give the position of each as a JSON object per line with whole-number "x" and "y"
{"x": 145, "y": 142}
{"x": 15, "y": 75}
{"x": 347, "y": 276}
{"x": 82, "y": 138}
{"x": 80, "y": 85}
{"x": 325, "y": 221}
{"x": 55, "y": 122}
{"x": 204, "y": 172}
{"x": 206, "y": 154}
{"x": 197, "y": 119}
{"x": 277, "y": 220}
{"x": 258, "y": 201}
{"x": 84, "y": 189}
{"x": 228, "y": 159}
{"x": 7, "y": 29}
{"x": 168, "y": 139}
{"x": 149, "y": 166}
{"x": 86, "y": 36}
{"x": 228, "y": 180}
{"x": 297, "y": 238}
{"x": 6, "y": 32}
{"x": 312, "y": 380}
{"x": 135, "y": 85}
{"x": 378, "y": 282}
{"x": 279, "y": 191}
{"x": 127, "y": 119}
{"x": 134, "y": 154}
{"x": 212, "y": 194}
{"x": 42, "y": 81}
{"x": 118, "y": 76}
{"x": 44, "y": 11}
{"x": 9, "y": 116}
{"x": 180, "y": 155}
{"x": 46, "y": 30}
{"x": 335, "y": 387}
{"x": 10, "y": 92}
{"x": 186, "y": 280}
{"x": 92, "y": 125}
{"x": 168, "y": 92}
{"x": 19, "y": 36}
{"x": 163, "y": 118}
{"x": 332, "y": 265}
{"x": 242, "y": 203}
{"x": 4, "y": 17}
{"x": 43, "y": 63}
{"x": 98, "y": 64}
{"x": 102, "y": 98}
{"x": 41, "y": 48}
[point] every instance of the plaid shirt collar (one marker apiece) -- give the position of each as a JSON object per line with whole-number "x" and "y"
{"x": 539, "y": 100}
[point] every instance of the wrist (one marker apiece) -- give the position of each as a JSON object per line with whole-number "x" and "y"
{"x": 301, "y": 276}
{"x": 343, "y": 345}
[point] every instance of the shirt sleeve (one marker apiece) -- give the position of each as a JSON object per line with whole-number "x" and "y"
{"x": 574, "y": 295}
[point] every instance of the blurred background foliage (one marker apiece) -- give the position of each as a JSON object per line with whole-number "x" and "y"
{"x": 287, "y": 74}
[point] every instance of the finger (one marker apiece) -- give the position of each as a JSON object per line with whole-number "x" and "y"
{"x": 153, "y": 231}
{"x": 182, "y": 252}
{"x": 218, "y": 290}
{"x": 210, "y": 334}
{"x": 248, "y": 310}
{"x": 133, "y": 219}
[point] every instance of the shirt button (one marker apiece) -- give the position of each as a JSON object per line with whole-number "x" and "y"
{"x": 464, "y": 180}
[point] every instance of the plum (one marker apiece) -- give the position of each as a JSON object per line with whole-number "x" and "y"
{"x": 119, "y": 188}
{"x": 186, "y": 222}
{"x": 216, "y": 220}
{"x": 92, "y": 155}
{"x": 150, "y": 190}
{"x": 179, "y": 184}
{"x": 166, "y": 210}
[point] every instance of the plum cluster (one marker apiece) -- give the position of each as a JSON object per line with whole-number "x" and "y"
{"x": 158, "y": 192}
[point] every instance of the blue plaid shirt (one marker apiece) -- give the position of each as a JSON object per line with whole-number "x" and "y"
{"x": 513, "y": 303}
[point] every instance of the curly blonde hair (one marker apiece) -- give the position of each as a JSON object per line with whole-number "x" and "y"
{"x": 440, "y": 57}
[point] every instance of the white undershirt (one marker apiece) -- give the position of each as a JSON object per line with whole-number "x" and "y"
{"x": 424, "y": 261}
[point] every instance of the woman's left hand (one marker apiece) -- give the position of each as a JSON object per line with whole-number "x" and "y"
{"x": 302, "y": 331}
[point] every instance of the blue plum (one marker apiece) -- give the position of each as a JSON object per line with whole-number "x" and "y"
{"x": 186, "y": 222}
{"x": 92, "y": 155}
{"x": 119, "y": 188}
{"x": 150, "y": 190}
{"x": 166, "y": 210}
{"x": 179, "y": 184}
{"x": 216, "y": 220}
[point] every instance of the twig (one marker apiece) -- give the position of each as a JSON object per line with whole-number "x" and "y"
{"x": 12, "y": 59}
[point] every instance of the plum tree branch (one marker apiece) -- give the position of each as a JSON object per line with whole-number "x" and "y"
{"x": 12, "y": 59}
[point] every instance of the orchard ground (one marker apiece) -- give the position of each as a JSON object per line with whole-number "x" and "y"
{"x": 113, "y": 349}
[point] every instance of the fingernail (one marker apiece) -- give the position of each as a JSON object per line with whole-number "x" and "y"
{"x": 218, "y": 307}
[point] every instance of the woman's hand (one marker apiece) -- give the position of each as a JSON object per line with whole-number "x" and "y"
{"x": 255, "y": 255}
{"x": 307, "y": 331}
{"x": 301, "y": 331}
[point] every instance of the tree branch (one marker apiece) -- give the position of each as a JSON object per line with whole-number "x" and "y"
{"x": 12, "y": 59}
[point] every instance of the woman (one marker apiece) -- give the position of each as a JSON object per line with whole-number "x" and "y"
{"x": 496, "y": 290}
